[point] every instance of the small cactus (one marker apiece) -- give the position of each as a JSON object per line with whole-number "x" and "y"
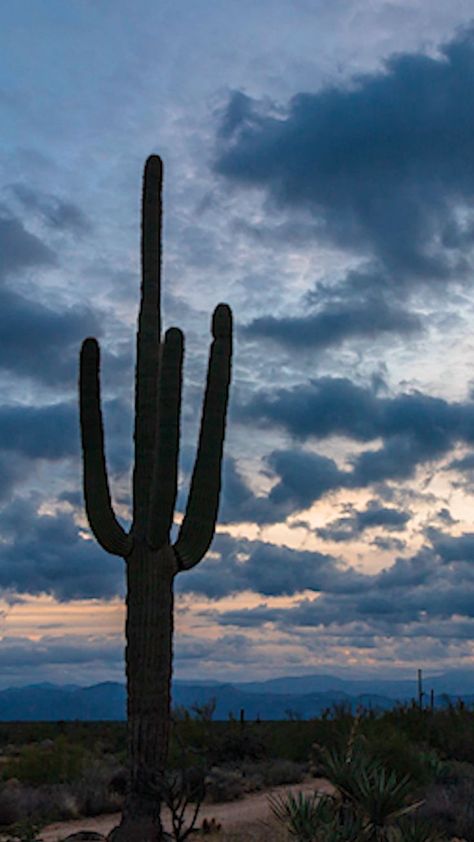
{"x": 151, "y": 560}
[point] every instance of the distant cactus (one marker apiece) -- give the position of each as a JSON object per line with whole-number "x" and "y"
{"x": 152, "y": 561}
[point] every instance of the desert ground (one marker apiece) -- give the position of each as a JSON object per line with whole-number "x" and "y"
{"x": 246, "y": 814}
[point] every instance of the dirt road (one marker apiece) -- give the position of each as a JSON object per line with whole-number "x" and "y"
{"x": 232, "y": 815}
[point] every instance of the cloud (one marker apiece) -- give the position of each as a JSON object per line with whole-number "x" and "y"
{"x": 302, "y": 477}
{"x": 31, "y": 435}
{"x": 414, "y": 427}
{"x": 70, "y": 650}
{"x": 334, "y": 324}
{"x": 36, "y": 341}
{"x": 12, "y": 471}
{"x": 40, "y": 342}
{"x": 19, "y": 249}
{"x": 40, "y": 432}
{"x": 45, "y": 553}
{"x": 384, "y": 164}
{"x": 412, "y": 597}
{"x": 239, "y": 565}
{"x": 359, "y": 521}
{"x": 58, "y": 213}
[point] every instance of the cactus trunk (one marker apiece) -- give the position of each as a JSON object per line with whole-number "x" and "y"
{"x": 152, "y": 561}
{"x": 149, "y": 633}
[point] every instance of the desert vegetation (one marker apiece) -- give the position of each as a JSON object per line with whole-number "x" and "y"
{"x": 406, "y": 774}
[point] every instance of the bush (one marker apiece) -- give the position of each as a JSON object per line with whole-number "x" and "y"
{"x": 450, "y": 808}
{"x": 279, "y": 772}
{"x": 398, "y": 753}
{"x": 224, "y": 785}
{"x": 37, "y": 764}
{"x": 94, "y": 791}
{"x": 236, "y": 744}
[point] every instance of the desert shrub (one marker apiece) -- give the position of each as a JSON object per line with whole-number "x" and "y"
{"x": 278, "y": 772}
{"x": 40, "y": 764}
{"x": 224, "y": 785}
{"x": 25, "y": 831}
{"x": 396, "y": 752}
{"x": 290, "y": 740}
{"x": 258, "y": 775}
{"x": 47, "y": 803}
{"x": 450, "y": 808}
{"x": 453, "y": 734}
{"x": 21, "y": 803}
{"x": 11, "y": 807}
{"x": 453, "y": 772}
{"x": 236, "y": 744}
{"x": 94, "y": 791}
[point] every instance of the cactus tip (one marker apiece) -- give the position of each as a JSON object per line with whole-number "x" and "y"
{"x": 154, "y": 167}
{"x": 90, "y": 346}
{"x": 174, "y": 336}
{"x": 221, "y": 321}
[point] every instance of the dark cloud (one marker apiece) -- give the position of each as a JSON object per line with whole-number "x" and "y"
{"x": 25, "y": 654}
{"x": 383, "y": 164}
{"x": 352, "y": 526}
{"x": 56, "y": 212}
{"x": 302, "y": 478}
{"x": 394, "y": 545}
{"x": 267, "y": 569}
{"x": 414, "y": 427}
{"x": 43, "y": 432}
{"x": 414, "y": 595}
{"x": 40, "y": 342}
{"x": 19, "y": 249}
{"x": 450, "y": 548}
{"x": 44, "y": 553}
{"x": 30, "y": 434}
{"x": 322, "y": 407}
{"x": 36, "y": 341}
{"x": 13, "y": 470}
{"x": 366, "y": 317}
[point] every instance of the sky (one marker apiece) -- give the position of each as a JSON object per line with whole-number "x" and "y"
{"x": 319, "y": 178}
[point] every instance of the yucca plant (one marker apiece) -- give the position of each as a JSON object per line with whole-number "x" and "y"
{"x": 380, "y": 797}
{"x": 412, "y": 829}
{"x": 377, "y": 797}
{"x": 305, "y": 817}
{"x": 343, "y": 765}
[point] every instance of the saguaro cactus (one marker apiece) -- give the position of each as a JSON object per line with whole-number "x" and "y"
{"x": 151, "y": 560}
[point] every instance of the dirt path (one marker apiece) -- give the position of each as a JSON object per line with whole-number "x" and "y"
{"x": 232, "y": 815}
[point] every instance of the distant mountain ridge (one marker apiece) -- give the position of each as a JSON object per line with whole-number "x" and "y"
{"x": 277, "y": 698}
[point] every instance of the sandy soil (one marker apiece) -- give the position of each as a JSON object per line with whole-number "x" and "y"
{"x": 232, "y": 815}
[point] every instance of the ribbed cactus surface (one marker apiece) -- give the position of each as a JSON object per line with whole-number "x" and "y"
{"x": 152, "y": 562}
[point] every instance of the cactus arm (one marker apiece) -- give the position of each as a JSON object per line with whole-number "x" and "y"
{"x": 148, "y": 343}
{"x": 197, "y": 529}
{"x": 103, "y": 522}
{"x": 165, "y": 473}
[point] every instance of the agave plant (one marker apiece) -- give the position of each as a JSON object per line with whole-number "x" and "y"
{"x": 343, "y": 766}
{"x": 370, "y": 793}
{"x": 347, "y": 826}
{"x": 381, "y": 798}
{"x": 415, "y": 830}
{"x": 305, "y": 817}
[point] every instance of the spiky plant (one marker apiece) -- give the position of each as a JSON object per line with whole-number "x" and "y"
{"x": 305, "y": 817}
{"x": 152, "y": 561}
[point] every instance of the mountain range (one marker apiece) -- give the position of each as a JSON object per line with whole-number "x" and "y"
{"x": 278, "y": 698}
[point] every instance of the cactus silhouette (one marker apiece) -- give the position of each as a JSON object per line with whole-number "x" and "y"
{"x": 151, "y": 560}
